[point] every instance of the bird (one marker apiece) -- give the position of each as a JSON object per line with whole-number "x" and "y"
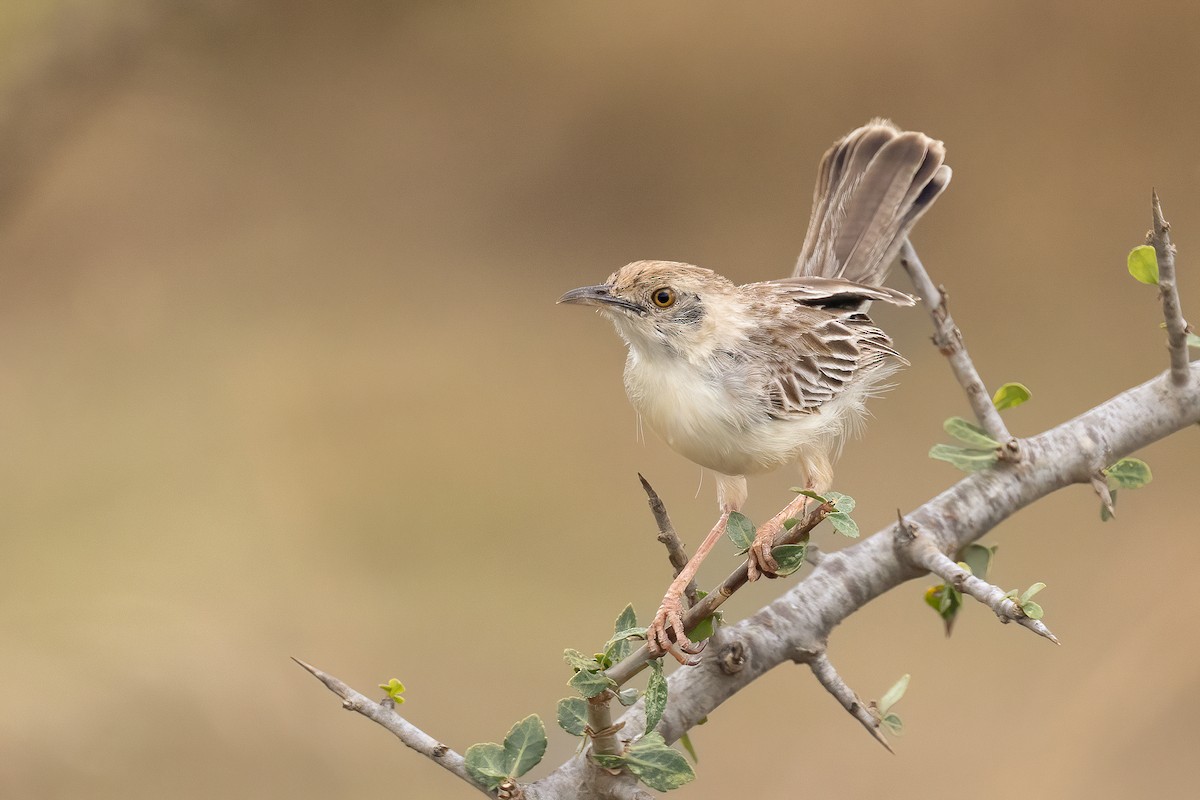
{"x": 746, "y": 379}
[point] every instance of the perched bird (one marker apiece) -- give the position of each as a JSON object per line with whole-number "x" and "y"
{"x": 746, "y": 379}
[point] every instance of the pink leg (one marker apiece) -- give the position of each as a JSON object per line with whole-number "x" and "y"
{"x": 669, "y": 618}
{"x": 760, "y": 561}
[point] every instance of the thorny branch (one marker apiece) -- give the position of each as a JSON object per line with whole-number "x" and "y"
{"x": 796, "y": 626}
{"x": 1177, "y": 327}
{"x": 949, "y": 340}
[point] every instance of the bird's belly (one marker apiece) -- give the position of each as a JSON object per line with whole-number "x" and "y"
{"x": 705, "y": 418}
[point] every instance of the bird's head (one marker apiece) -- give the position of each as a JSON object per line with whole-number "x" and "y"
{"x": 656, "y": 304}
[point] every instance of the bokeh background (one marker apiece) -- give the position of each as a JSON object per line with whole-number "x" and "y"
{"x": 282, "y": 375}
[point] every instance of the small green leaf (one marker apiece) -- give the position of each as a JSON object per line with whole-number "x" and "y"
{"x": 740, "y": 531}
{"x": 1129, "y": 473}
{"x": 1032, "y": 590}
{"x": 969, "y": 433}
{"x": 618, "y": 650}
{"x": 627, "y": 697}
{"x": 843, "y": 524}
{"x": 609, "y": 761}
{"x": 619, "y": 646}
{"x": 1193, "y": 340}
{"x": 790, "y": 557}
{"x": 1032, "y": 609}
{"x": 893, "y": 724}
{"x": 947, "y": 601}
{"x": 703, "y": 629}
{"x": 394, "y": 689}
{"x": 590, "y": 684}
{"x": 572, "y": 715}
{"x": 656, "y": 695}
{"x": 790, "y": 523}
{"x": 820, "y": 498}
{"x": 978, "y": 559}
{"x": 686, "y": 741}
{"x": 578, "y": 661}
{"x": 1010, "y": 395}
{"x": 524, "y": 745}
{"x": 893, "y": 695}
{"x": 1143, "y": 264}
{"x": 485, "y": 763}
{"x": 840, "y": 502}
{"x": 656, "y": 764}
{"x": 963, "y": 458}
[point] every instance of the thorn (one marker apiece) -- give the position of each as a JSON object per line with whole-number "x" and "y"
{"x": 333, "y": 684}
{"x": 1100, "y": 485}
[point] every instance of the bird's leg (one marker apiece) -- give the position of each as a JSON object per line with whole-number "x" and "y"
{"x": 669, "y": 618}
{"x": 760, "y": 561}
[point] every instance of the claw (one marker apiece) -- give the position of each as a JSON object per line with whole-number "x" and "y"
{"x": 668, "y": 621}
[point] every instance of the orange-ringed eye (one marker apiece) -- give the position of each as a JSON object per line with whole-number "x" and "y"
{"x": 664, "y": 297}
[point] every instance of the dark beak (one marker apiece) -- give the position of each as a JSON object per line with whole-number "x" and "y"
{"x": 599, "y": 296}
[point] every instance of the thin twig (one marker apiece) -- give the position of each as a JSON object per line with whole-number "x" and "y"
{"x": 667, "y": 535}
{"x": 707, "y": 606}
{"x": 404, "y": 730}
{"x": 603, "y": 732}
{"x": 922, "y": 551}
{"x": 1177, "y": 327}
{"x": 949, "y": 341}
{"x": 828, "y": 677}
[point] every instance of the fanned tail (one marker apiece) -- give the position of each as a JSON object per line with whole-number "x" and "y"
{"x": 872, "y": 187}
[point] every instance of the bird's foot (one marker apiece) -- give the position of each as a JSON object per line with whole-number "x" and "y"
{"x": 760, "y": 562}
{"x": 668, "y": 620}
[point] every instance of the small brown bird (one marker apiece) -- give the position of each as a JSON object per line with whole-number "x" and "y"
{"x": 746, "y": 379}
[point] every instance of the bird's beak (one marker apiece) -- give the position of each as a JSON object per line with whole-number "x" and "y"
{"x": 599, "y": 296}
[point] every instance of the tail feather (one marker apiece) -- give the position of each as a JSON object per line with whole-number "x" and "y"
{"x": 872, "y": 187}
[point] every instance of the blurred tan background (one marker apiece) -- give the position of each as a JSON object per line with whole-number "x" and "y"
{"x": 282, "y": 375}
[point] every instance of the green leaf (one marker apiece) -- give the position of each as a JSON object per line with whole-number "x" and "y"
{"x": 1032, "y": 590}
{"x": 394, "y": 689}
{"x": 524, "y": 745}
{"x": 963, "y": 458}
{"x": 619, "y": 649}
{"x": 740, "y": 531}
{"x": 893, "y": 724}
{"x": 619, "y": 646}
{"x": 840, "y": 502}
{"x": 627, "y": 697}
{"x": 1143, "y": 264}
{"x": 686, "y": 741}
{"x": 969, "y": 433}
{"x": 705, "y": 627}
{"x": 978, "y": 559}
{"x": 590, "y": 684}
{"x": 1129, "y": 473}
{"x": 485, "y": 764}
{"x": 947, "y": 601}
{"x": 578, "y": 661}
{"x": 790, "y": 523}
{"x": 656, "y": 695}
{"x": 790, "y": 557}
{"x": 1010, "y": 395}
{"x": 893, "y": 695}
{"x": 1193, "y": 340}
{"x": 656, "y": 764}
{"x": 820, "y": 498}
{"x": 1032, "y": 609}
{"x": 609, "y": 761}
{"x": 572, "y": 715}
{"x": 842, "y": 523}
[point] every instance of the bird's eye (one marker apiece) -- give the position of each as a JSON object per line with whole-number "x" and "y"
{"x": 664, "y": 297}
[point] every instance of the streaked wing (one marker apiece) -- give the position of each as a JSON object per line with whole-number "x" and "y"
{"x": 812, "y": 352}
